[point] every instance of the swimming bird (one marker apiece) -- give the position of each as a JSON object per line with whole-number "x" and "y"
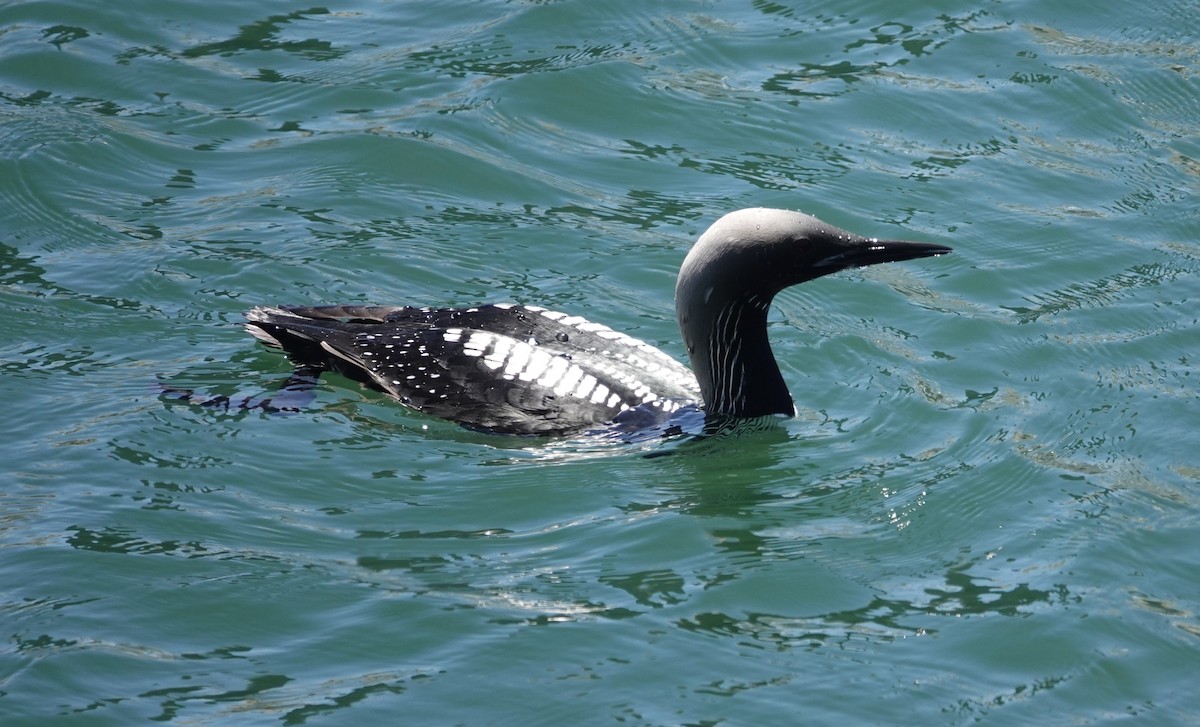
{"x": 522, "y": 369}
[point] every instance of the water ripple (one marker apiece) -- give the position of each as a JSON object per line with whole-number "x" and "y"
{"x": 984, "y": 509}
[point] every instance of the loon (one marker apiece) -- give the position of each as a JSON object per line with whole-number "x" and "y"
{"x": 521, "y": 369}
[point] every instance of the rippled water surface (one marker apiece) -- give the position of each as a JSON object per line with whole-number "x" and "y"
{"x": 985, "y": 511}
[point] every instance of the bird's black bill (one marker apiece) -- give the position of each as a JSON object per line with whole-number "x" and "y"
{"x": 872, "y": 252}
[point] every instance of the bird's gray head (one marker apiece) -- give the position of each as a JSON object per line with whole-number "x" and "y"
{"x": 766, "y": 250}
{"x": 728, "y": 280}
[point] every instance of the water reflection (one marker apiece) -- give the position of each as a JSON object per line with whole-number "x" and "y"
{"x": 495, "y": 57}
{"x": 861, "y": 60}
{"x": 763, "y": 529}
{"x": 122, "y": 541}
{"x": 881, "y": 618}
{"x": 284, "y": 698}
{"x": 263, "y": 35}
{"x": 29, "y": 279}
{"x": 1100, "y": 292}
{"x": 650, "y": 588}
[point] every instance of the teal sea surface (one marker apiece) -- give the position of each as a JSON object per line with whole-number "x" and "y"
{"x": 984, "y": 512}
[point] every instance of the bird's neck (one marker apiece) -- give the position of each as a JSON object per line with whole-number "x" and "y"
{"x": 732, "y": 359}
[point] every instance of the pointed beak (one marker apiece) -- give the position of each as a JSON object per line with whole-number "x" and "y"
{"x": 871, "y": 252}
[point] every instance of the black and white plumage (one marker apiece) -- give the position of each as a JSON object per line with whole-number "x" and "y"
{"x": 526, "y": 370}
{"x": 500, "y": 368}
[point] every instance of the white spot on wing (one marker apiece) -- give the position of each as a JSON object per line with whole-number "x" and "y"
{"x": 554, "y": 372}
{"x": 586, "y": 384}
{"x": 569, "y": 380}
{"x": 477, "y": 343}
{"x": 518, "y": 358}
{"x": 499, "y": 353}
{"x": 600, "y": 394}
{"x": 539, "y": 361}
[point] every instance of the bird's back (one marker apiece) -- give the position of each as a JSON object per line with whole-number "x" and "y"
{"x": 500, "y": 368}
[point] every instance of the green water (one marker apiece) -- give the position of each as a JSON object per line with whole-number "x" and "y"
{"x": 985, "y": 511}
